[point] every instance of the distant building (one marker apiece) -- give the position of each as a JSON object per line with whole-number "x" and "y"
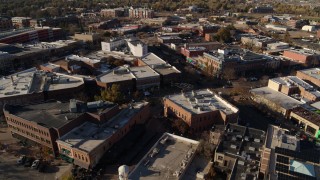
{"x": 31, "y": 34}
{"x": 192, "y": 51}
{"x": 170, "y": 157}
{"x": 5, "y": 23}
{"x": 257, "y": 41}
{"x": 277, "y": 27}
{"x": 169, "y": 39}
{"x": 113, "y": 44}
{"x": 310, "y": 75}
{"x": 239, "y": 151}
{"x": 21, "y": 22}
{"x": 87, "y": 37}
{"x": 261, "y": 9}
{"x": 302, "y": 56}
{"x": 116, "y": 12}
{"x": 135, "y": 46}
{"x": 86, "y": 144}
{"x": 278, "y": 45}
{"x": 141, "y": 13}
{"x": 308, "y": 28}
{"x": 200, "y": 109}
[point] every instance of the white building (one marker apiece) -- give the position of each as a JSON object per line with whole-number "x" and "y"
{"x": 308, "y": 28}
{"x": 278, "y": 45}
{"x": 112, "y": 45}
{"x": 138, "y": 48}
{"x": 276, "y": 27}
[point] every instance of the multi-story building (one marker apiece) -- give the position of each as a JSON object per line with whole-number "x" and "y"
{"x": 192, "y": 51}
{"x": 33, "y": 86}
{"x": 310, "y": 75}
{"x": 239, "y": 152}
{"x": 137, "y": 48}
{"x": 113, "y": 44}
{"x": 6, "y": 61}
{"x": 44, "y": 123}
{"x": 169, "y": 39}
{"x": 261, "y": 9}
{"x": 5, "y": 23}
{"x": 256, "y": 40}
{"x": 302, "y": 56}
{"x": 167, "y": 72}
{"x": 32, "y": 34}
{"x": 277, "y": 27}
{"x": 294, "y": 86}
{"x": 141, "y": 13}
{"x": 277, "y": 45}
{"x": 21, "y": 22}
{"x": 238, "y": 61}
{"x": 284, "y": 156}
{"x": 86, "y": 144}
{"x": 170, "y": 157}
{"x": 308, "y": 118}
{"x": 116, "y": 12}
{"x": 130, "y": 78}
{"x": 87, "y": 37}
{"x": 200, "y": 109}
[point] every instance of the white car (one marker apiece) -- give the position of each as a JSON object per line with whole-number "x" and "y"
{"x": 35, "y": 164}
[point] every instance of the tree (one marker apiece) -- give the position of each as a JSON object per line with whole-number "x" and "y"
{"x": 224, "y": 34}
{"x": 287, "y": 37}
{"x": 112, "y": 94}
{"x": 180, "y": 125}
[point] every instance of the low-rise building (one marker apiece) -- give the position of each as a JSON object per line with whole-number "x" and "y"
{"x": 261, "y": 9}
{"x": 86, "y": 144}
{"x": 169, "y": 39}
{"x": 277, "y": 27}
{"x": 170, "y": 157}
{"x": 167, "y": 72}
{"x": 239, "y": 152}
{"x": 87, "y": 37}
{"x": 5, "y": 23}
{"x": 256, "y": 40}
{"x": 43, "y": 123}
{"x": 308, "y": 118}
{"x": 308, "y": 28}
{"x": 303, "y": 56}
{"x": 21, "y": 22}
{"x": 278, "y": 45}
{"x": 116, "y": 12}
{"x": 192, "y": 51}
{"x": 274, "y": 100}
{"x": 310, "y": 75}
{"x": 296, "y": 87}
{"x": 130, "y": 78}
{"x": 33, "y": 86}
{"x": 200, "y": 109}
{"x": 137, "y": 48}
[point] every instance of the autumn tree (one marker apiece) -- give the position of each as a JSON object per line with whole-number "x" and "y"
{"x": 287, "y": 37}
{"x": 112, "y": 94}
{"x": 224, "y": 34}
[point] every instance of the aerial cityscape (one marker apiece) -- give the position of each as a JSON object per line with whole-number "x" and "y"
{"x": 160, "y": 90}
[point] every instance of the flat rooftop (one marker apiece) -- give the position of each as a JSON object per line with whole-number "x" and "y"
{"x": 143, "y": 72}
{"x": 279, "y": 98}
{"x": 311, "y": 115}
{"x": 83, "y": 59}
{"x": 52, "y": 114}
{"x": 89, "y": 136}
{"x": 35, "y": 81}
{"x": 158, "y": 64}
{"x": 305, "y": 52}
{"x": 116, "y": 75}
{"x": 202, "y": 101}
{"x": 169, "y": 158}
{"x": 313, "y": 72}
{"x": 292, "y": 81}
{"x": 279, "y": 137}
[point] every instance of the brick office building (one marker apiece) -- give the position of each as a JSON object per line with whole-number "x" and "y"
{"x": 44, "y": 123}
{"x": 200, "y": 109}
{"x": 311, "y": 75}
{"x": 304, "y": 57}
{"x": 86, "y": 144}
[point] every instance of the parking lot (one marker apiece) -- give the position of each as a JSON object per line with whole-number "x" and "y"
{"x": 10, "y": 153}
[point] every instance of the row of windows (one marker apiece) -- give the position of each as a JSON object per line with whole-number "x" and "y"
{"x": 28, "y": 126}
{"x": 81, "y": 157}
{"x": 29, "y": 134}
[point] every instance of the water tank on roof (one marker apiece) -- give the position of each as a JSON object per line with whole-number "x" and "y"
{"x": 123, "y": 172}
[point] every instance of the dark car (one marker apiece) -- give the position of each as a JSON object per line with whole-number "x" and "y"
{"x": 21, "y": 160}
{"x": 42, "y": 167}
{"x": 28, "y": 162}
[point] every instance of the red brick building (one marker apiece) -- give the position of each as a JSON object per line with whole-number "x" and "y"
{"x": 192, "y": 51}
{"x": 304, "y": 57}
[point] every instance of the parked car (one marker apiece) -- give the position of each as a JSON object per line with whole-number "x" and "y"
{"x": 21, "y": 160}
{"x": 42, "y": 167}
{"x": 28, "y": 162}
{"x": 35, "y": 164}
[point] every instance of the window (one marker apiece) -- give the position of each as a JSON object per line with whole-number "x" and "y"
{"x": 220, "y": 158}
